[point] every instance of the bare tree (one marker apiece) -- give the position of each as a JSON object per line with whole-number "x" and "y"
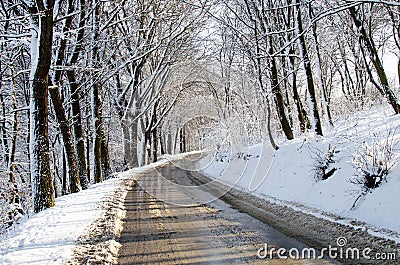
{"x": 42, "y": 41}
{"x": 369, "y": 46}
{"x": 308, "y": 70}
{"x": 76, "y": 97}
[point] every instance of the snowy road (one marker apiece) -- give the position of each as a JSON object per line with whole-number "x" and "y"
{"x": 170, "y": 220}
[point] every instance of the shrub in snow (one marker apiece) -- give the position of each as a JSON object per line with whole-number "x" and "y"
{"x": 12, "y": 205}
{"x": 222, "y": 154}
{"x": 245, "y": 156}
{"x": 373, "y": 162}
{"x": 323, "y": 163}
{"x": 10, "y": 212}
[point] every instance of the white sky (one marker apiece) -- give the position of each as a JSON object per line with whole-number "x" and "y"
{"x": 390, "y": 64}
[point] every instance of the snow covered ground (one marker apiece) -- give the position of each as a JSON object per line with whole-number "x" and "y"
{"x": 50, "y": 236}
{"x": 287, "y": 176}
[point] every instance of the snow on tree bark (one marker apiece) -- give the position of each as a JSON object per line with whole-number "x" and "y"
{"x": 276, "y": 90}
{"x": 308, "y": 70}
{"x": 75, "y": 101}
{"x": 78, "y": 130}
{"x": 324, "y": 100}
{"x": 11, "y": 162}
{"x": 102, "y": 165}
{"x": 65, "y": 128}
{"x": 41, "y": 52}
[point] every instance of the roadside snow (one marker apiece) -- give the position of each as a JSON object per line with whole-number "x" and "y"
{"x": 286, "y": 176}
{"x": 50, "y": 236}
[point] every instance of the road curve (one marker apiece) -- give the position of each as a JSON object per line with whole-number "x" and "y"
{"x": 170, "y": 220}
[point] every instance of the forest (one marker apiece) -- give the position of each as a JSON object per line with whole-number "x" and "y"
{"x": 89, "y": 88}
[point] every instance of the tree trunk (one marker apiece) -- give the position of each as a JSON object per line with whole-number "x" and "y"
{"x": 154, "y": 136}
{"x": 78, "y": 130}
{"x": 88, "y": 149}
{"x": 181, "y": 140}
{"x": 56, "y": 176}
{"x": 276, "y": 90}
{"x": 11, "y": 161}
{"x": 301, "y": 112}
{"x": 42, "y": 184}
{"x": 64, "y": 174}
{"x": 398, "y": 37}
{"x": 134, "y": 127}
{"x": 176, "y": 138}
{"x": 65, "y": 128}
{"x": 64, "y": 125}
{"x": 4, "y": 130}
{"x": 4, "y": 138}
{"x": 169, "y": 143}
{"x": 75, "y": 101}
{"x": 147, "y": 141}
{"x": 271, "y": 138}
{"x": 97, "y": 122}
{"x": 286, "y": 93}
{"x": 142, "y": 144}
{"x": 321, "y": 79}
{"x": 309, "y": 75}
{"x": 126, "y": 145}
{"x": 398, "y": 70}
{"x": 102, "y": 165}
{"x": 185, "y": 141}
{"x": 162, "y": 144}
{"x": 105, "y": 156}
{"x": 96, "y": 100}
{"x": 154, "y": 145}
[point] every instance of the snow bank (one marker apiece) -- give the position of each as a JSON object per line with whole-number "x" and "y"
{"x": 286, "y": 176}
{"x": 50, "y": 236}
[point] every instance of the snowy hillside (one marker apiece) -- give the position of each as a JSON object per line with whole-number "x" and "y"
{"x": 289, "y": 176}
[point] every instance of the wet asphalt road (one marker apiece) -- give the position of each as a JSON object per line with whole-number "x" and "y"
{"x": 170, "y": 219}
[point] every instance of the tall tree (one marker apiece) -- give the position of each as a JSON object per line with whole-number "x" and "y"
{"x": 62, "y": 118}
{"x": 42, "y": 42}
{"x": 76, "y": 97}
{"x": 65, "y": 128}
{"x": 96, "y": 95}
{"x": 308, "y": 70}
{"x": 321, "y": 79}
